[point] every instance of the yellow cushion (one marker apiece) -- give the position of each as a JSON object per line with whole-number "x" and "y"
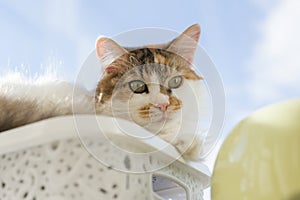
{"x": 260, "y": 159}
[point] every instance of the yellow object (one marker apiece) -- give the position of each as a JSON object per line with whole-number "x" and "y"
{"x": 260, "y": 159}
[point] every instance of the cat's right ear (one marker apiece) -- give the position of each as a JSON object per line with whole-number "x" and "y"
{"x": 186, "y": 44}
{"x": 108, "y": 51}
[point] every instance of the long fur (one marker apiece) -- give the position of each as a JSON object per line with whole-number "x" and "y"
{"x": 24, "y": 101}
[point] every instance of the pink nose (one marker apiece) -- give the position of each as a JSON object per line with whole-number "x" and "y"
{"x": 163, "y": 106}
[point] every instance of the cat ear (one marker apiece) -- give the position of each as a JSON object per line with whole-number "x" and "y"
{"x": 185, "y": 45}
{"x": 108, "y": 51}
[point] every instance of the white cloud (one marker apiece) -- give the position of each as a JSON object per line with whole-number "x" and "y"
{"x": 275, "y": 65}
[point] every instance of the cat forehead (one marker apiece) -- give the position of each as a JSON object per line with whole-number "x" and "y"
{"x": 147, "y": 61}
{"x": 151, "y": 73}
{"x": 149, "y": 55}
{"x": 142, "y": 63}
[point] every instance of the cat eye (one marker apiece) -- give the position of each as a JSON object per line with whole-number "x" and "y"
{"x": 138, "y": 86}
{"x": 175, "y": 82}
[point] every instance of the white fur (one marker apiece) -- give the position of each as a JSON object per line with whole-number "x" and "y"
{"x": 156, "y": 98}
{"x": 47, "y": 93}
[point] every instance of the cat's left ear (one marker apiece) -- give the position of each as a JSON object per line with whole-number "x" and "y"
{"x": 108, "y": 51}
{"x": 185, "y": 45}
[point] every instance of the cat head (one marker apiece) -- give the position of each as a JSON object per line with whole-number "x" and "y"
{"x": 141, "y": 84}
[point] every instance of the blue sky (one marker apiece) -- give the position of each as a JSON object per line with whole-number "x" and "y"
{"x": 253, "y": 43}
{"x": 53, "y": 28}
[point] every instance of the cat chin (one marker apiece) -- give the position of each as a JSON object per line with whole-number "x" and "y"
{"x": 163, "y": 119}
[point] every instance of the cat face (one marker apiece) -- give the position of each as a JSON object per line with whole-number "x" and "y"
{"x": 142, "y": 84}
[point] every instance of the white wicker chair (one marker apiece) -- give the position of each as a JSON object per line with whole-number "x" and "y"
{"x": 47, "y": 161}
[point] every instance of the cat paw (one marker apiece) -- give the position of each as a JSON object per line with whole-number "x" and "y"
{"x": 190, "y": 151}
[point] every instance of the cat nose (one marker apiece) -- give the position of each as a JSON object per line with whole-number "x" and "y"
{"x": 163, "y": 106}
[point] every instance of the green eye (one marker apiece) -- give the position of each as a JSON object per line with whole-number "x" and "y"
{"x": 175, "y": 82}
{"x": 138, "y": 86}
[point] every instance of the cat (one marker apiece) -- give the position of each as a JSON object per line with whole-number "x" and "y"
{"x": 138, "y": 84}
